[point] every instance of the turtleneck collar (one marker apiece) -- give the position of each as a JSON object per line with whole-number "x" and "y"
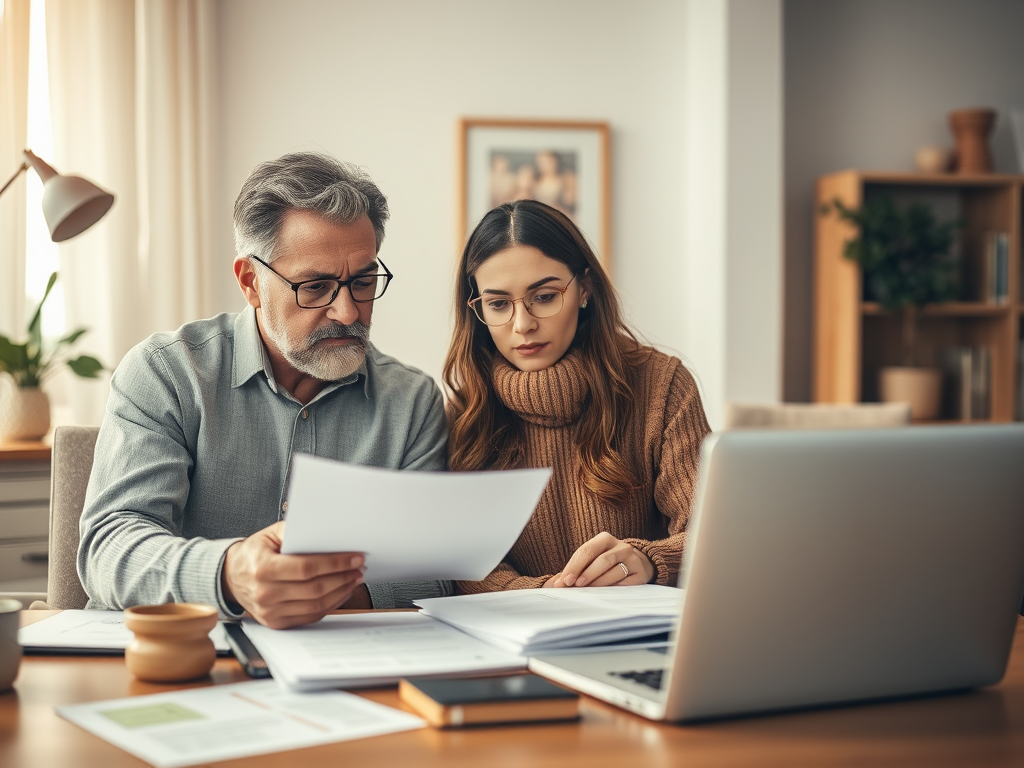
{"x": 552, "y": 397}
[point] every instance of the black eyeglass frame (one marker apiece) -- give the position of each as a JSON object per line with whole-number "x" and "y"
{"x": 474, "y": 304}
{"x": 388, "y": 277}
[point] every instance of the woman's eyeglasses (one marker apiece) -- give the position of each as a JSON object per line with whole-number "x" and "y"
{"x": 542, "y": 302}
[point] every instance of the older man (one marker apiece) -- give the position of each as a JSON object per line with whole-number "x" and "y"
{"x": 187, "y": 492}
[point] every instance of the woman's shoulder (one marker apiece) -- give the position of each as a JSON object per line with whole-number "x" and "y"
{"x": 661, "y": 368}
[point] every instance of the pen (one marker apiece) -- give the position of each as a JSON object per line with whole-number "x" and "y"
{"x": 245, "y": 651}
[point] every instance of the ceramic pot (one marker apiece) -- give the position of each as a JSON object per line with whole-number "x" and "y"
{"x": 971, "y": 128}
{"x": 24, "y": 412}
{"x": 921, "y": 388}
{"x": 932, "y": 159}
{"x": 171, "y": 643}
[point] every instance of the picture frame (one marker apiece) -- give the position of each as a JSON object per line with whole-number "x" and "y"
{"x": 561, "y": 162}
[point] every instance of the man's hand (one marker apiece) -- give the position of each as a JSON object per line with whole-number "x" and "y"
{"x": 597, "y": 564}
{"x": 287, "y": 590}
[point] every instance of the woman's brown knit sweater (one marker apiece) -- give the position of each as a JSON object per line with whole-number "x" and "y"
{"x": 663, "y": 443}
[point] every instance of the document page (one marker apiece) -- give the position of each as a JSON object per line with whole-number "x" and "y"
{"x": 222, "y": 722}
{"x": 411, "y": 525}
{"x": 90, "y": 631}
{"x": 533, "y": 620}
{"x": 377, "y": 648}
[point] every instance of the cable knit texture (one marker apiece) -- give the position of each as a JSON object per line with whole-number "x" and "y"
{"x": 662, "y": 443}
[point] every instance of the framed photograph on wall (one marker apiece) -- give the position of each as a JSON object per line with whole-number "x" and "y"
{"x": 564, "y": 164}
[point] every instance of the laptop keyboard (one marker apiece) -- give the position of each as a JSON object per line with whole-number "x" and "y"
{"x": 649, "y": 677}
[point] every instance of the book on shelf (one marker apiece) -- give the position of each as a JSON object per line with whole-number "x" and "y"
{"x": 532, "y": 621}
{"x": 991, "y": 282}
{"x": 967, "y": 382}
{"x": 1020, "y": 372}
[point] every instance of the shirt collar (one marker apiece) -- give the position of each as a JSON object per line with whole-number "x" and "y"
{"x": 251, "y": 358}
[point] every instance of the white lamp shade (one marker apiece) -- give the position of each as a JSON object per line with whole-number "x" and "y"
{"x": 72, "y": 204}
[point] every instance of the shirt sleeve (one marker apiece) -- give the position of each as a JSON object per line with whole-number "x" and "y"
{"x": 132, "y": 550}
{"x": 676, "y": 470}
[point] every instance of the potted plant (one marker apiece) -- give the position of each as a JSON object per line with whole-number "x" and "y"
{"x": 24, "y": 407}
{"x": 907, "y": 263}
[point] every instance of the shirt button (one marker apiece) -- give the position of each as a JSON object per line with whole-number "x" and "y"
{"x": 305, "y": 413}
{"x": 284, "y": 507}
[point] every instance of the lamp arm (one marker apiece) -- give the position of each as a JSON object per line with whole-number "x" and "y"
{"x": 17, "y": 173}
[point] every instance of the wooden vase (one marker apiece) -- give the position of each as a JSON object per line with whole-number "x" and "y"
{"x": 171, "y": 643}
{"x": 971, "y": 128}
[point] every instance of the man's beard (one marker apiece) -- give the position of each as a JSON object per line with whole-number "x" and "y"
{"x": 328, "y": 362}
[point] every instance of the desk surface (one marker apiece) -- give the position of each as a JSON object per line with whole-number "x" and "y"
{"x": 979, "y": 728}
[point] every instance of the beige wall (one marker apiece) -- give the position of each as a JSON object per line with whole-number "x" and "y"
{"x": 384, "y": 83}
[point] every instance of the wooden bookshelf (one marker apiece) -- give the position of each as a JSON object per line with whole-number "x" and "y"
{"x": 855, "y": 338}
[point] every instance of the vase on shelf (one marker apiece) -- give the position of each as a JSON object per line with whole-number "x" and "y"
{"x": 971, "y": 128}
{"x": 921, "y": 388}
{"x": 24, "y": 412}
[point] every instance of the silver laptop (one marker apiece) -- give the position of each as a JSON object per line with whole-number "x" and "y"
{"x": 829, "y": 567}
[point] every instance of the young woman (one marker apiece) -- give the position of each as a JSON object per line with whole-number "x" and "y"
{"x": 542, "y": 372}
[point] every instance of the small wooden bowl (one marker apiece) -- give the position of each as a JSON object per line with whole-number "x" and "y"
{"x": 172, "y": 642}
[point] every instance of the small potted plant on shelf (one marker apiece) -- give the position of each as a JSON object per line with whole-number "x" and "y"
{"x": 907, "y": 264}
{"x": 24, "y": 407}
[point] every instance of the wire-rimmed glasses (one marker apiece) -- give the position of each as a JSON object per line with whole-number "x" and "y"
{"x": 315, "y": 294}
{"x": 545, "y": 301}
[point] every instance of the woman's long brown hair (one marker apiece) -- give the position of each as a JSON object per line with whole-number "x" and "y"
{"x": 483, "y": 432}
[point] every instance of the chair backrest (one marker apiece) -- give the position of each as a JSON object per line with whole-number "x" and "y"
{"x": 815, "y": 415}
{"x": 71, "y": 463}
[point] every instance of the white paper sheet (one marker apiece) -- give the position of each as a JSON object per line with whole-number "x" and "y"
{"x": 411, "y": 525}
{"x": 530, "y": 621}
{"x": 90, "y": 632}
{"x": 366, "y": 649}
{"x": 203, "y": 725}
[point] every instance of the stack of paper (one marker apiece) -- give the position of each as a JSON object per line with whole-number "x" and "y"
{"x": 532, "y": 621}
{"x": 367, "y": 649}
{"x": 99, "y": 632}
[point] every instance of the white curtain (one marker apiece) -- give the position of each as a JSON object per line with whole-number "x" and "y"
{"x": 130, "y": 89}
{"x": 13, "y": 129}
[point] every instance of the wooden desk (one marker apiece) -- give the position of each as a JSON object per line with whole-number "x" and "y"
{"x": 980, "y": 728}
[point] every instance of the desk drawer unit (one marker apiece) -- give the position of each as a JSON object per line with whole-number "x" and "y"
{"x": 24, "y": 524}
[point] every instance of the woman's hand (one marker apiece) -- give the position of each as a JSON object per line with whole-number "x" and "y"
{"x": 604, "y": 561}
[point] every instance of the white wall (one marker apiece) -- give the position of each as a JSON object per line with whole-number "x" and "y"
{"x": 383, "y": 84}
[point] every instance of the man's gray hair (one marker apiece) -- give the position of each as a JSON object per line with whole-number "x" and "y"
{"x": 340, "y": 192}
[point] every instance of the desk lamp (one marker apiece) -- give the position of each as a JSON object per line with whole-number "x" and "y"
{"x": 71, "y": 204}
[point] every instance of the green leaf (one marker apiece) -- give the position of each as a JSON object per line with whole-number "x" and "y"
{"x": 13, "y": 357}
{"x": 35, "y": 324}
{"x": 86, "y": 367}
{"x": 72, "y": 337}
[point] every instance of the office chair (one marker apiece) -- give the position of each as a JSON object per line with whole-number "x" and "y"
{"x": 71, "y": 463}
{"x": 815, "y": 415}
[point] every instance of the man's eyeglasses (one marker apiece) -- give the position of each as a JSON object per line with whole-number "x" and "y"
{"x": 314, "y": 294}
{"x": 542, "y": 302}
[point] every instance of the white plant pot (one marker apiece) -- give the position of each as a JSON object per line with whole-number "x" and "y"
{"x": 920, "y": 387}
{"x": 24, "y": 412}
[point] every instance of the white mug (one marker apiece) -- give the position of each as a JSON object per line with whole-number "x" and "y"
{"x": 10, "y": 650}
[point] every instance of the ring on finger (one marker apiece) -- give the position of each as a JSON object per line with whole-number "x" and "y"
{"x": 625, "y": 570}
